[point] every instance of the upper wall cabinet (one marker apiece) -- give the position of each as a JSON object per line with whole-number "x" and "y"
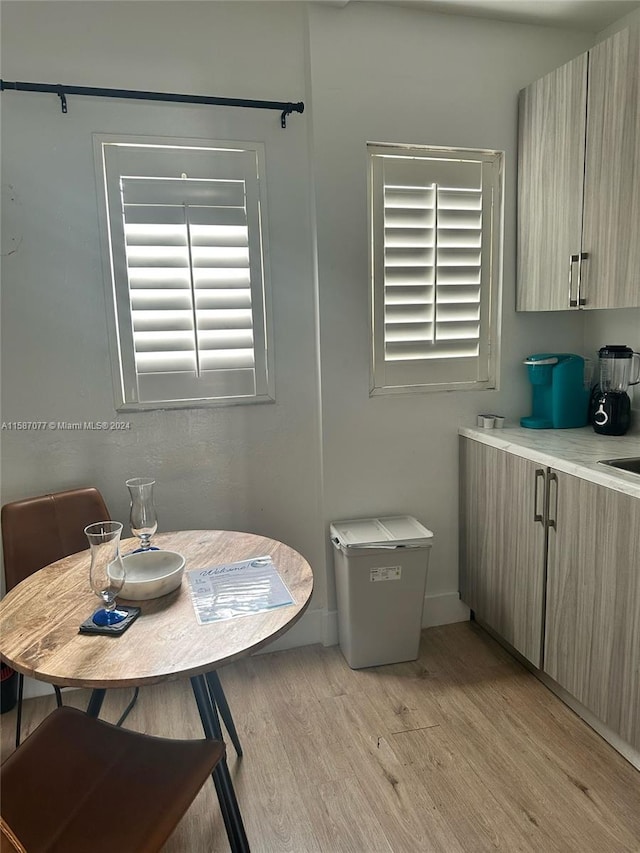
{"x": 611, "y": 233}
{"x": 579, "y": 182}
{"x": 552, "y": 115}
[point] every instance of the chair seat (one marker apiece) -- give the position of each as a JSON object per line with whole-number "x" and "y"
{"x": 40, "y": 530}
{"x": 78, "y": 784}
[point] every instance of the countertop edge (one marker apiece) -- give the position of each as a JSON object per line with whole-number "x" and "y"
{"x": 520, "y": 443}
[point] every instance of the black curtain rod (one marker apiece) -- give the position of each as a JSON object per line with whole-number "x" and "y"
{"x": 62, "y": 90}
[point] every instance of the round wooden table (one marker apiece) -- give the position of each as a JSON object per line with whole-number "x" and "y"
{"x": 39, "y": 618}
{"x": 39, "y": 621}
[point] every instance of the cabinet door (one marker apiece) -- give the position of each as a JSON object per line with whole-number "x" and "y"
{"x": 592, "y": 645}
{"x": 612, "y": 176}
{"x": 551, "y": 132}
{"x": 502, "y": 547}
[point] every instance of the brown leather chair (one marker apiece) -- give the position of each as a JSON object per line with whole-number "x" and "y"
{"x": 78, "y": 784}
{"x": 40, "y": 530}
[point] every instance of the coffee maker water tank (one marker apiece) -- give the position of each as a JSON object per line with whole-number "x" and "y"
{"x": 560, "y": 391}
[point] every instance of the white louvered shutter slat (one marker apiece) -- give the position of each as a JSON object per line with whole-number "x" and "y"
{"x": 204, "y": 254}
{"x": 193, "y": 310}
{"x": 432, "y": 223}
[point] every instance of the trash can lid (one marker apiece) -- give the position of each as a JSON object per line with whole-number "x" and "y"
{"x": 388, "y": 531}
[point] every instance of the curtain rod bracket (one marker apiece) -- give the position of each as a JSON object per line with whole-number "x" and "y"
{"x": 290, "y": 108}
{"x": 63, "y": 99}
{"x": 283, "y": 117}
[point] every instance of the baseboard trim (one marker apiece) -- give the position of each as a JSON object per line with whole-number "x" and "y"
{"x": 444, "y": 609}
{"x": 321, "y": 626}
{"x": 33, "y": 688}
{"x": 306, "y": 632}
{"x": 625, "y": 749}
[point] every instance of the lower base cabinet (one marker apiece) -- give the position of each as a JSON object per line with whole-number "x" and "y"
{"x": 551, "y": 563}
{"x": 502, "y": 544}
{"x": 592, "y": 634}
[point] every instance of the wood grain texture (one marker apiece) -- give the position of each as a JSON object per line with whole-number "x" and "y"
{"x": 592, "y": 646}
{"x": 502, "y": 548}
{"x": 39, "y": 618}
{"x": 461, "y": 750}
{"x": 612, "y": 177}
{"x": 552, "y": 114}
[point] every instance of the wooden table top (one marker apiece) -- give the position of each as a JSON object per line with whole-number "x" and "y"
{"x": 39, "y": 618}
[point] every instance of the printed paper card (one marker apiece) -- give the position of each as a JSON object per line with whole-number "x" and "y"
{"x": 237, "y": 589}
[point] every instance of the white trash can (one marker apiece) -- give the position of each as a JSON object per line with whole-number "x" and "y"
{"x": 381, "y": 573}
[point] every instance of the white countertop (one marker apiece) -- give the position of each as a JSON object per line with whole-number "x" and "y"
{"x": 573, "y": 451}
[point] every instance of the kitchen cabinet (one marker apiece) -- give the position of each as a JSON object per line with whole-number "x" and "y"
{"x": 502, "y": 544}
{"x": 612, "y": 174}
{"x": 592, "y": 636}
{"x": 579, "y": 182}
{"x": 544, "y": 552}
{"x": 551, "y": 146}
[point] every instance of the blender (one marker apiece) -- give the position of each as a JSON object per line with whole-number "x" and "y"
{"x": 610, "y": 410}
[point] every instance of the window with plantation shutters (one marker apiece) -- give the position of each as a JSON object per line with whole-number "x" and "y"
{"x": 436, "y": 218}
{"x": 188, "y": 272}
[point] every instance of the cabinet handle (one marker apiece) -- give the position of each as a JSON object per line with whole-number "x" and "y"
{"x": 553, "y": 522}
{"x": 538, "y": 516}
{"x": 573, "y": 259}
{"x": 582, "y": 300}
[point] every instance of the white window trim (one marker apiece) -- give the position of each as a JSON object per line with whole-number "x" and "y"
{"x": 118, "y": 309}
{"x": 491, "y": 282}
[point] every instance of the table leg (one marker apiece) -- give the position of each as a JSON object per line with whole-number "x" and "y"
{"x": 95, "y": 702}
{"x": 217, "y": 694}
{"x": 221, "y": 776}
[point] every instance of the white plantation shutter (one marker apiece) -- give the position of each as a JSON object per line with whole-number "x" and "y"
{"x": 188, "y": 273}
{"x": 435, "y": 252}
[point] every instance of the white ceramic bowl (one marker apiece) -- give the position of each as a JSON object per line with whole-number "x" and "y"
{"x": 150, "y": 574}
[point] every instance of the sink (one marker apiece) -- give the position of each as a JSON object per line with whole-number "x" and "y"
{"x": 631, "y": 463}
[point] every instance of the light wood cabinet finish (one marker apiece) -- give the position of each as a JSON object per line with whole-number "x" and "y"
{"x": 551, "y": 151}
{"x": 592, "y": 645}
{"x": 502, "y": 548}
{"x": 581, "y": 200}
{"x": 612, "y": 176}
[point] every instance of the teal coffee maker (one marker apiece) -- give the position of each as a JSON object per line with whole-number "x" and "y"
{"x": 560, "y": 391}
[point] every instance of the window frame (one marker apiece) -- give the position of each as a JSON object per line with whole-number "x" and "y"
{"x": 119, "y": 316}
{"x": 416, "y": 372}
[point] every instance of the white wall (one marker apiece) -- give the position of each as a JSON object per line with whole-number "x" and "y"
{"x": 632, "y": 19}
{"x": 366, "y": 72}
{"x": 388, "y": 74}
{"x": 246, "y": 467}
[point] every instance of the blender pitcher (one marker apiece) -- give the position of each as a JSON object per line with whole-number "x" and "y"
{"x": 616, "y": 368}
{"x": 611, "y": 407}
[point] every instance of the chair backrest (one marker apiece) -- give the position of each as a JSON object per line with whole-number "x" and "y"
{"x": 8, "y": 841}
{"x": 40, "y": 530}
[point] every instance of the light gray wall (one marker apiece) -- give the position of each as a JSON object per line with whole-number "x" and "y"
{"x": 254, "y": 468}
{"x": 366, "y": 72}
{"x": 632, "y": 19}
{"x": 386, "y": 74}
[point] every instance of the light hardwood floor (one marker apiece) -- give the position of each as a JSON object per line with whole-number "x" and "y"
{"x": 462, "y": 750}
